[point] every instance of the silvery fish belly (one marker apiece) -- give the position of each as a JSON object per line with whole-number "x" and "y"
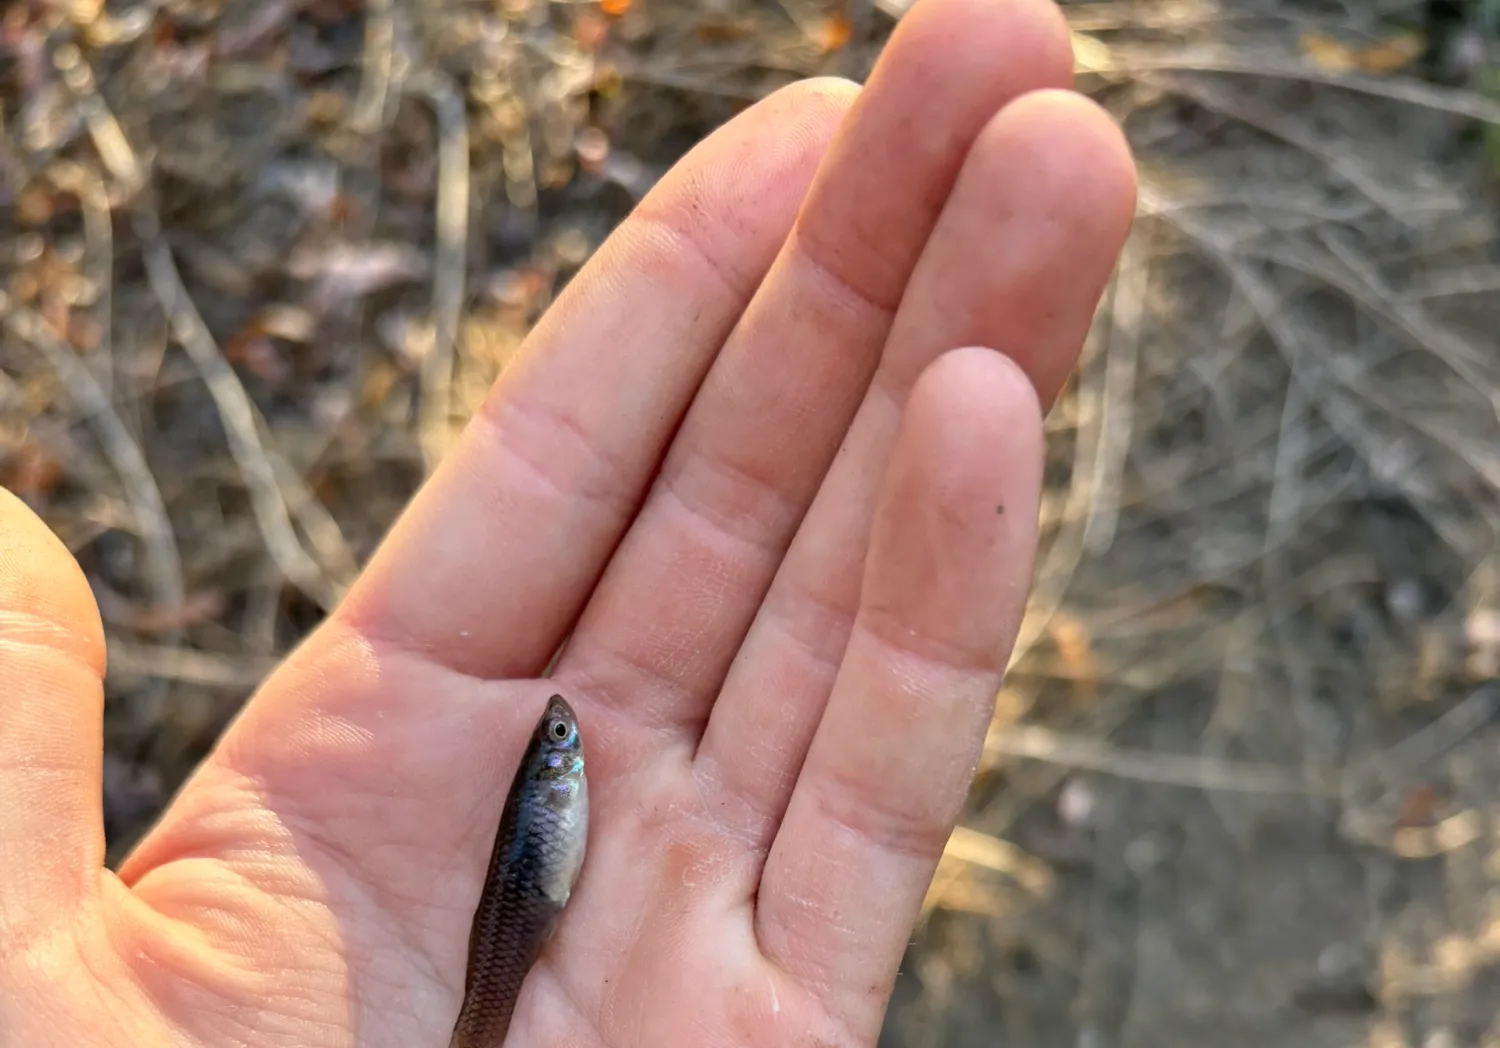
{"x": 537, "y": 854}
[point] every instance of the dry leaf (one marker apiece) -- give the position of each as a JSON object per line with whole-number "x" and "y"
{"x": 592, "y": 149}
{"x": 1327, "y": 53}
{"x": 1418, "y": 807}
{"x": 721, "y": 30}
{"x": 1482, "y": 631}
{"x": 1379, "y": 58}
{"x": 380, "y": 381}
{"x": 31, "y": 471}
{"x": 325, "y": 107}
{"x": 590, "y": 31}
{"x": 1090, "y": 54}
{"x": 834, "y": 33}
{"x": 257, "y": 356}
{"x": 290, "y": 323}
{"x": 1075, "y": 651}
{"x": 1391, "y": 56}
{"x": 343, "y": 272}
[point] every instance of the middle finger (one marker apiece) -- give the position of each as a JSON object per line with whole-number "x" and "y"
{"x": 674, "y": 605}
{"x": 1018, "y": 261}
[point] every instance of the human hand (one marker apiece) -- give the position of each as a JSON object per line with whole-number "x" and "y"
{"x": 785, "y": 643}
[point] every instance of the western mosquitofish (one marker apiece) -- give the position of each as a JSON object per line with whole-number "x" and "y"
{"x": 534, "y": 864}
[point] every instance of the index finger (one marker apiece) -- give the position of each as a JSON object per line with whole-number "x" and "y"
{"x": 490, "y": 565}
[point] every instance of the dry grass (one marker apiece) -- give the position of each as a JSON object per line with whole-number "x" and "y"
{"x": 261, "y": 258}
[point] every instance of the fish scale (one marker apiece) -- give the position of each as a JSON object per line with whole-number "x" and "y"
{"x": 533, "y": 866}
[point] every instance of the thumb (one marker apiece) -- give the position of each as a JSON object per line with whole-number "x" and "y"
{"x": 51, "y": 729}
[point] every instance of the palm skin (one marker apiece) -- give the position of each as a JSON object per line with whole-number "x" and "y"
{"x": 785, "y": 522}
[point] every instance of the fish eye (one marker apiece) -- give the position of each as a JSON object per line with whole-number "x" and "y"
{"x": 559, "y": 730}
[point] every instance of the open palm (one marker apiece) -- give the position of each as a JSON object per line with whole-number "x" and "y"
{"x": 783, "y": 518}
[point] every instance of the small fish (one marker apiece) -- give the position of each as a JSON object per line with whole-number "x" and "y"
{"x": 537, "y": 854}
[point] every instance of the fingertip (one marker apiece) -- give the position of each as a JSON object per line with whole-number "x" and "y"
{"x": 973, "y": 420}
{"x": 1032, "y": 36}
{"x": 948, "y": 67}
{"x": 986, "y": 388}
{"x": 798, "y": 120}
{"x": 771, "y": 148}
{"x": 823, "y": 98}
{"x": 1066, "y": 134}
{"x": 1052, "y": 176}
{"x": 44, "y": 596}
{"x": 955, "y": 535}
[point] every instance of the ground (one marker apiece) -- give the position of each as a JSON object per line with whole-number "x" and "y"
{"x": 1241, "y": 784}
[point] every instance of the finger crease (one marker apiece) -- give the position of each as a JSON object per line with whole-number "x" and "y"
{"x": 517, "y": 426}
{"x": 760, "y": 518}
{"x": 812, "y": 252}
{"x": 695, "y": 239}
{"x": 901, "y": 642}
{"x": 865, "y": 812}
{"x": 605, "y": 665}
{"x": 819, "y": 625}
{"x": 24, "y": 631}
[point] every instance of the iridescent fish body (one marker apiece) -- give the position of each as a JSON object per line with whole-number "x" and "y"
{"x": 537, "y": 854}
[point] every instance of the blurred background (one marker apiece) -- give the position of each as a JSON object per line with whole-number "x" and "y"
{"x": 259, "y": 259}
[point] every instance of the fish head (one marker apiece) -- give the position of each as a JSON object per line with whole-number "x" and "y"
{"x": 560, "y": 786}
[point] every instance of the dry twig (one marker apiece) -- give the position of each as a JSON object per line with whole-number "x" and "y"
{"x": 235, "y": 408}
{"x": 448, "y": 267}
{"x": 163, "y": 568}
